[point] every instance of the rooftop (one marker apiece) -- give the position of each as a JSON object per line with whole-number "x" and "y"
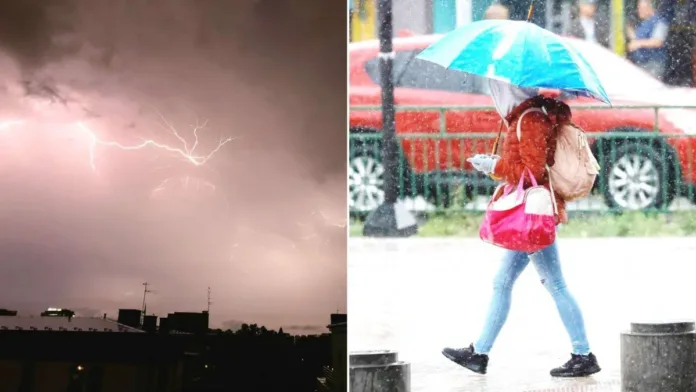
{"x": 74, "y": 324}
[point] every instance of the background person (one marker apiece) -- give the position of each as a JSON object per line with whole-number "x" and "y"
{"x": 681, "y": 41}
{"x": 497, "y": 11}
{"x": 584, "y": 24}
{"x": 646, "y": 42}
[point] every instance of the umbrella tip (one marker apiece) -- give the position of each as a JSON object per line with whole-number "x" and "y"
{"x": 530, "y": 12}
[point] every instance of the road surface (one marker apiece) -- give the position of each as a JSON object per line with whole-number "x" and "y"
{"x": 418, "y": 295}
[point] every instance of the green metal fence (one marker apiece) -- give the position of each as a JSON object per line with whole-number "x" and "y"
{"x": 641, "y": 169}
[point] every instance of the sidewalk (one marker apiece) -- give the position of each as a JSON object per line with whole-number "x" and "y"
{"x": 418, "y": 295}
{"x": 580, "y": 387}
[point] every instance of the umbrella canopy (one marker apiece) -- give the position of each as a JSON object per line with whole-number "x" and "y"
{"x": 519, "y": 53}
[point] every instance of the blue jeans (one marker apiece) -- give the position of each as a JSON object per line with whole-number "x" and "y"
{"x": 548, "y": 267}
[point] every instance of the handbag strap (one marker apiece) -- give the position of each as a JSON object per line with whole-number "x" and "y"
{"x": 519, "y": 131}
{"x": 519, "y": 121}
{"x": 553, "y": 194}
{"x": 519, "y": 137}
{"x": 548, "y": 170}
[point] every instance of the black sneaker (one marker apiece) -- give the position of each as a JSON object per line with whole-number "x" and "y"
{"x": 578, "y": 366}
{"x": 468, "y": 358}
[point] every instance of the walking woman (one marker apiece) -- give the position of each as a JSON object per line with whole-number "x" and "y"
{"x": 534, "y": 151}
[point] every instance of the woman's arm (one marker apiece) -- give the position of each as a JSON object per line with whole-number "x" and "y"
{"x": 656, "y": 40}
{"x": 535, "y": 130}
{"x": 630, "y": 33}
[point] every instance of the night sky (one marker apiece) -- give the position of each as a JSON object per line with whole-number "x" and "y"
{"x": 262, "y": 222}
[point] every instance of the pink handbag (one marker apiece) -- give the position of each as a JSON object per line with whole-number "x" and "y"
{"x": 523, "y": 220}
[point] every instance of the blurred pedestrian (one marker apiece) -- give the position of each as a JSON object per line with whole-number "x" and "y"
{"x": 497, "y": 11}
{"x": 350, "y": 20}
{"x": 584, "y": 24}
{"x": 646, "y": 42}
{"x": 533, "y": 152}
{"x": 681, "y": 41}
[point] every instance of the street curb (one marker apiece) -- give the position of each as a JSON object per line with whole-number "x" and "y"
{"x": 608, "y": 386}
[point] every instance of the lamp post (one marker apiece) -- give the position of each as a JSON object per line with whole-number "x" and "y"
{"x": 391, "y": 218}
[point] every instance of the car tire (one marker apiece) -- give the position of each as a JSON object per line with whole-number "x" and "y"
{"x": 365, "y": 179}
{"x": 635, "y": 178}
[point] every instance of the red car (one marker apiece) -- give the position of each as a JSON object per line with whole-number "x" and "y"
{"x": 637, "y": 172}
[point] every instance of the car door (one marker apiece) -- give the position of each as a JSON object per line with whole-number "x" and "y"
{"x": 427, "y": 146}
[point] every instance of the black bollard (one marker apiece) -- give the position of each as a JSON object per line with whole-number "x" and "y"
{"x": 379, "y": 371}
{"x": 659, "y": 357}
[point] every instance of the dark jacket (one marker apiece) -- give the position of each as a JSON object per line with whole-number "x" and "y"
{"x": 602, "y": 33}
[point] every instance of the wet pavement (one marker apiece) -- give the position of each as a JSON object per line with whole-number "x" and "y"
{"x": 418, "y": 295}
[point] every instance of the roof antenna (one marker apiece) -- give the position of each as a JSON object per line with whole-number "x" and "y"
{"x": 144, "y": 308}
{"x": 209, "y": 299}
{"x": 530, "y": 12}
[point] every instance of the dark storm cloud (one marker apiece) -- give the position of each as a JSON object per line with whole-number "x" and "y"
{"x": 268, "y": 240}
{"x": 27, "y": 30}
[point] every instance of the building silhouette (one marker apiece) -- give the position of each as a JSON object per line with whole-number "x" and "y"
{"x": 63, "y": 352}
{"x": 129, "y": 317}
{"x": 7, "y": 312}
{"x": 57, "y": 312}
{"x": 67, "y": 353}
{"x": 334, "y": 377}
{"x": 150, "y": 323}
{"x": 188, "y": 322}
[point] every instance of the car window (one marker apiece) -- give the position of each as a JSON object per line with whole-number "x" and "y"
{"x": 430, "y": 76}
{"x": 401, "y": 59}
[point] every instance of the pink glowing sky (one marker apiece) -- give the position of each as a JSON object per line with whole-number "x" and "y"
{"x": 261, "y": 223}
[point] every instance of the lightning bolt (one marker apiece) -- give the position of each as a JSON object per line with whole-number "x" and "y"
{"x": 185, "y": 182}
{"x": 185, "y": 152}
{"x": 340, "y": 224}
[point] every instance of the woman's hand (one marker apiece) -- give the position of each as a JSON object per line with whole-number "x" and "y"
{"x": 483, "y": 162}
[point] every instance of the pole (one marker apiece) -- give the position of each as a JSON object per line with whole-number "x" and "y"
{"x": 618, "y": 27}
{"x": 144, "y": 309}
{"x": 209, "y": 299}
{"x": 390, "y": 219}
{"x": 464, "y": 10}
{"x": 378, "y": 371}
{"x": 386, "y": 70}
{"x": 659, "y": 357}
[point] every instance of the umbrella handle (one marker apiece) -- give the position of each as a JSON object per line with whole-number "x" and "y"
{"x": 495, "y": 149}
{"x": 497, "y": 139}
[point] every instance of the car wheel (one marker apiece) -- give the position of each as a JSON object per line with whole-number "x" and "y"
{"x": 365, "y": 181}
{"x": 635, "y": 178}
